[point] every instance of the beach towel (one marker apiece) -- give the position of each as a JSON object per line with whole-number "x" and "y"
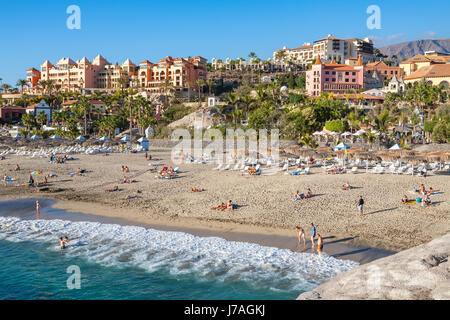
{"x": 72, "y": 173}
{"x": 411, "y": 202}
{"x": 10, "y": 179}
{"x": 35, "y": 173}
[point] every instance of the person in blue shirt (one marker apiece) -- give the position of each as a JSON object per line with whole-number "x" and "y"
{"x": 313, "y": 234}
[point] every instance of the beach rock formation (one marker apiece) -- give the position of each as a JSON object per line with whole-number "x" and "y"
{"x": 419, "y": 273}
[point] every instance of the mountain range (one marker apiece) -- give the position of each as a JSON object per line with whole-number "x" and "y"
{"x": 409, "y": 49}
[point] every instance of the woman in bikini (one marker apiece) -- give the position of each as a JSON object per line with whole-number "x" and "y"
{"x": 301, "y": 235}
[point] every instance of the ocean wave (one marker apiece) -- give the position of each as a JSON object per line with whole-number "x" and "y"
{"x": 180, "y": 253}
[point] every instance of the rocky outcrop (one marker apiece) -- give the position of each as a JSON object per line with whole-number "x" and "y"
{"x": 420, "y": 273}
{"x": 203, "y": 117}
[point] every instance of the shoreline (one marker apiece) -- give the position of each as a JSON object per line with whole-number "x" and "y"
{"x": 335, "y": 246}
{"x": 265, "y": 203}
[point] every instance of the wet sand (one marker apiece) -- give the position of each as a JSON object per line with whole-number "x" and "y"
{"x": 333, "y": 246}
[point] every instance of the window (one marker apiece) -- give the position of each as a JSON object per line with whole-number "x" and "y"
{"x": 346, "y": 80}
{"x": 353, "y": 73}
{"x": 346, "y": 73}
{"x": 353, "y": 80}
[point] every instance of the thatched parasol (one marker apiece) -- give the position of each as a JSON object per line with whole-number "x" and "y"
{"x": 413, "y": 159}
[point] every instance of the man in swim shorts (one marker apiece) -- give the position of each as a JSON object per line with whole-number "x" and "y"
{"x": 313, "y": 234}
{"x": 62, "y": 243}
{"x": 360, "y": 205}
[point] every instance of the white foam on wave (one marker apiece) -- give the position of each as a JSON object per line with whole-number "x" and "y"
{"x": 180, "y": 253}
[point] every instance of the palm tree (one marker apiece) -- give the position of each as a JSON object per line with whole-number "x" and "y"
{"x": 21, "y": 83}
{"x": 6, "y": 87}
{"x": 29, "y": 121}
{"x": 41, "y": 118}
{"x": 167, "y": 87}
{"x": 200, "y": 84}
{"x": 210, "y": 83}
{"x": 233, "y": 100}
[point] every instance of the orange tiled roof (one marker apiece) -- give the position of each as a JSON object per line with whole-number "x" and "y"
{"x": 434, "y": 70}
{"x": 318, "y": 60}
{"x": 304, "y": 47}
{"x": 329, "y": 38}
{"x": 424, "y": 58}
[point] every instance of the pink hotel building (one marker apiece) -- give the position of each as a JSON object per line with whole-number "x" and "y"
{"x": 334, "y": 78}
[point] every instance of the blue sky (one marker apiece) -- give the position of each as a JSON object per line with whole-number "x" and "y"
{"x": 33, "y": 31}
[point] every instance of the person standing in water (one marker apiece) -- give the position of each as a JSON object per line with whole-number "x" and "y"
{"x": 301, "y": 235}
{"x": 313, "y": 235}
{"x": 319, "y": 244}
{"x": 38, "y": 209}
{"x": 62, "y": 243}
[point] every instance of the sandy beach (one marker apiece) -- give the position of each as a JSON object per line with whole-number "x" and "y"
{"x": 265, "y": 203}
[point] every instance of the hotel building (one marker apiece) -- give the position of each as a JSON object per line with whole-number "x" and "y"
{"x": 101, "y": 74}
{"x": 181, "y": 73}
{"x": 334, "y": 78}
{"x": 327, "y": 49}
{"x": 73, "y": 76}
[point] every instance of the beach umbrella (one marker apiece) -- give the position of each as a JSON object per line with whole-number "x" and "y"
{"x": 347, "y": 134}
{"x": 80, "y": 138}
{"x": 125, "y": 139}
{"x": 55, "y": 137}
{"x": 143, "y": 139}
{"x": 18, "y": 136}
{"x": 104, "y": 138}
{"x": 341, "y": 146}
{"x": 396, "y": 147}
{"x": 35, "y": 137}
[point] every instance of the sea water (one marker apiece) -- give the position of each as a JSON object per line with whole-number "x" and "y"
{"x": 131, "y": 262}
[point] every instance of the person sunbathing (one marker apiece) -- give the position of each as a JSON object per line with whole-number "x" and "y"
{"x": 229, "y": 205}
{"x": 346, "y": 186}
{"x": 431, "y": 192}
{"x": 405, "y": 200}
{"x": 193, "y": 189}
{"x": 298, "y": 196}
{"x": 427, "y": 201}
{"x": 17, "y": 168}
{"x": 309, "y": 193}
{"x": 116, "y": 188}
{"x": 126, "y": 169}
{"x": 220, "y": 207}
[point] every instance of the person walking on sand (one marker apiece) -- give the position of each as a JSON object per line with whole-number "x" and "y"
{"x": 319, "y": 244}
{"x": 5, "y": 179}
{"x": 313, "y": 235}
{"x": 360, "y": 205}
{"x": 301, "y": 235}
